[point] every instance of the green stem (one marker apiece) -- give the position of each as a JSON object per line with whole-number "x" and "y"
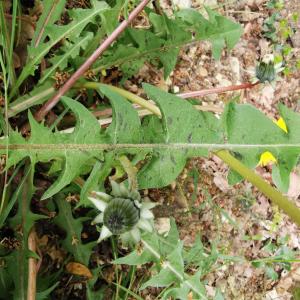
{"x": 18, "y": 106}
{"x": 274, "y": 195}
{"x": 131, "y": 171}
{"x": 128, "y": 95}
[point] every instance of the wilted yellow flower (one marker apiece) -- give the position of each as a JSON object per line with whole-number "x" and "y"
{"x": 267, "y": 157}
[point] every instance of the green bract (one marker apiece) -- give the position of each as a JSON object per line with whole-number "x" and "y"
{"x": 265, "y": 72}
{"x": 122, "y": 213}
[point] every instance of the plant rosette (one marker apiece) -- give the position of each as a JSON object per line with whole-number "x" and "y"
{"x": 122, "y": 213}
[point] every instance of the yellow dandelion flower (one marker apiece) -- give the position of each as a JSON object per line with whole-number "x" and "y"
{"x": 266, "y": 158}
{"x": 281, "y": 123}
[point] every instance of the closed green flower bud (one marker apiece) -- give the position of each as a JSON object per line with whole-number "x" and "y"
{"x": 265, "y": 72}
{"x": 120, "y": 215}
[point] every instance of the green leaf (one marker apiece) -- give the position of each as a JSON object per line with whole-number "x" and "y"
{"x": 80, "y": 18}
{"x": 171, "y": 274}
{"x": 69, "y": 50}
{"x": 241, "y": 120}
{"x": 172, "y": 238}
{"x": 161, "y": 43}
{"x": 6, "y": 283}
{"x": 87, "y": 131}
{"x": 270, "y": 272}
{"x": 96, "y": 179}
{"x": 73, "y": 228}
{"x": 218, "y": 295}
{"x": 192, "y": 284}
{"x": 110, "y": 17}
{"x": 219, "y": 30}
{"x": 182, "y": 132}
{"x": 181, "y": 124}
{"x": 125, "y": 126}
{"x": 135, "y": 258}
{"x": 50, "y": 14}
{"x": 196, "y": 254}
{"x": 44, "y": 295}
{"x": 14, "y": 197}
{"x": 223, "y": 31}
{"x": 23, "y": 221}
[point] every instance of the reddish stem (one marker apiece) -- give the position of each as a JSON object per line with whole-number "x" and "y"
{"x": 218, "y": 90}
{"x": 42, "y": 112}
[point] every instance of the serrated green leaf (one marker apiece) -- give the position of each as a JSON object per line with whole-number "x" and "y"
{"x": 196, "y": 254}
{"x": 23, "y": 221}
{"x": 110, "y": 17}
{"x": 126, "y": 124}
{"x": 70, "y": 50}
{"x": 192, "y": 284}
{"x": 162, "y": 279}
{"x": 135, "y": 258}
{"x": 73, "y": 228}
{"x": 44, "y": 295}
{"x": 172, "y": 270}
{"x": 240, "y": 122}
{"x": 161, "y": 43}
{"x": 219, "y": 30}
{"x": 222, "y": 31}
{"x": 72, "y": 242}
{"x": 181, "y": 124}
{"x": 50, "y": 14}
{"x": 80, "y": 18}
{"x": 172, "y": 239}
{"x": 96, "y": 178}
{"x": 87, "y": 131}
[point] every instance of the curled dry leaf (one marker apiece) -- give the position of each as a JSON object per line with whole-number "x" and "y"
{"x": 79, "y": 269}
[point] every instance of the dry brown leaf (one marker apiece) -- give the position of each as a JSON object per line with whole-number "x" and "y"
{"x": 294, "y": 188}
{"x": 221, "y": 182}
{"x": 79, "y": 269}
{"x": 267, "y": 96}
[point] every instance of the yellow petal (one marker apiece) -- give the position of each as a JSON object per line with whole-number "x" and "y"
{"x": 266, "y": 158}
{"x": 281, "y": 123}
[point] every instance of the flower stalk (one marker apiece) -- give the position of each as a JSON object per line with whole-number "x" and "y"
{"x": 273, "y": 194}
